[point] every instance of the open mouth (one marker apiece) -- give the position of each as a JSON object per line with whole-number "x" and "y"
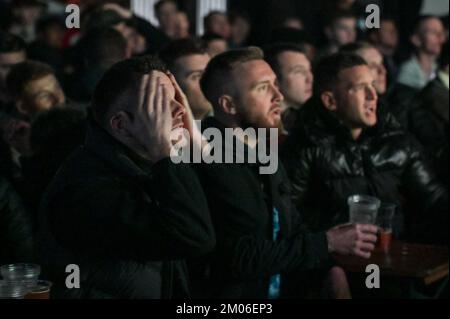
{"x": 276, "y": 111}
{"x": 371, "y": 110}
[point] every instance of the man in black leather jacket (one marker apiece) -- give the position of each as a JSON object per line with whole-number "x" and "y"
{"x": 343, "y": 147}
{"x": 119, "y": 208}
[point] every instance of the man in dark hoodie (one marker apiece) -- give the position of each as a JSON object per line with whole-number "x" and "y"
{"x": 119, "y": 208}
{"x": 263, "y": 249}
{"x": 342, "y": 147}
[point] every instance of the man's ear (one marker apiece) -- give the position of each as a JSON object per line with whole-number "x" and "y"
{"x": 20, "y": 106}
{"x": 119, "y": 124}
{"x": 227, "y": 104}
{"x": 328, "y": 100}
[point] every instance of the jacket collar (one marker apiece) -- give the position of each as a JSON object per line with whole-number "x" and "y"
{"x": 322, "y": 126}
{"x": 117, "y": 155}
{"x": 213, "y": 122}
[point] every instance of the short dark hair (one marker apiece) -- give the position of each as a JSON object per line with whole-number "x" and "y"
{"x": 180, "y": 48}
{"x": 209, "y": 37}
{"x": 121, "y": 77}
{"x": 217, "y": 77}
{"x": 332, "y": 18}
{"x": 48, "y": 21}
{"x": 159, "y": 4}
{"x": 274, "y": 51}
{"x": 236, "y": 14}
{"x": 291, "y": 35}
{"x": 208, "y": 18}
{"x": 23, "y": 73}
{"x": 103, "y": 46}
{"x": 99, "y": 18}
{"x": 10, "y": 43}
{"x": 356, "y": 47}
{"x": 327, "y": 72}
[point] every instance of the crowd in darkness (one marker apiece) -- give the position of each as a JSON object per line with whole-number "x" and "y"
{"x": 86, "y": 117}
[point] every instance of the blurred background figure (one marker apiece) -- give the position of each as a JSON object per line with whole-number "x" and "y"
{"x": 240, "y": 29}
{"x": 100, "y": 48}
{"x": 187, "y": 60}
{"x": 295, "y": 80}
{"x": 214, "y": 44}
{"x": 428, "y": 37}
{"x": 182, "y": 26}
{"x": 386, "y": 40}
{"x": 218, "y": 23}
{"x": 340, "y": 29}
{"x": 166, "y": 12}
{"x": 26, "y": 13}
{"x": 47, "y": 48}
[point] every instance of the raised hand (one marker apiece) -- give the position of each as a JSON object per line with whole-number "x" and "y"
{"x": 153, "y": 123}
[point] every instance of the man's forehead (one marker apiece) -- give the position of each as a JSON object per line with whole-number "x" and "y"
{"x": 256, "y": 68}
{"x": 42, "y": 83}
{"x": 193, "y": 61}
{"x": 372, "y": 55}
{"x": 292, "y": 57}
{"x": 163, "y": 78}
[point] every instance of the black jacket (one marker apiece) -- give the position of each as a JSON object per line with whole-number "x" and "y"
{"x": 326, "y": 166}
{"x": 240, "y": 202}
{"x": 16, "y": 239}
{"x": 429, "y": 119}
{"x": 126, "y": 223}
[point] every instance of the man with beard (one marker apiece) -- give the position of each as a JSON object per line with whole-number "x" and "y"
{"x": 263, "y": 250}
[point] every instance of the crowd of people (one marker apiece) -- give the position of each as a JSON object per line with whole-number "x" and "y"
{"x": 86, "y": 122}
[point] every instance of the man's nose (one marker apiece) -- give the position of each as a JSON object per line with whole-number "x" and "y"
{"x": 277, "y": 95}
{"x": 371, "y": 93}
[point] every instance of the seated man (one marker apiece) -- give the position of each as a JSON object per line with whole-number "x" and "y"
{"x": 187, "y": 60}
{"x": 343, "y": 148}
{"x": 118, "y": 207}
{"x": 295, "y": 79}
{"x": 34, "y": 88}
{"x": 262, "y": 246}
